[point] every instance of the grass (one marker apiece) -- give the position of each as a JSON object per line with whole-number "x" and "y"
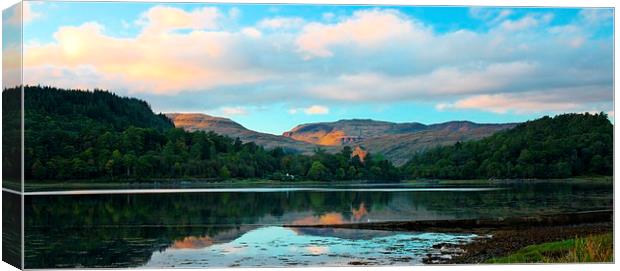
{"x": 594, "y": 248}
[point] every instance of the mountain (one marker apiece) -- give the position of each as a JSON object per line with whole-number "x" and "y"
{"x": 400, "y": 147}
{"x": 348, "y": 131}
{"x": 201, "y": 122}
{"x": 395, "y": 141}
{"x": 355, "y": 131}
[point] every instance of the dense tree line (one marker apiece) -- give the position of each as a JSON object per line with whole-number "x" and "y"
{"x": 562, "y": 146}
{"x": 99, "y": 108}
{"x": 74, "y": 134}
{"x": 11, "y": 137}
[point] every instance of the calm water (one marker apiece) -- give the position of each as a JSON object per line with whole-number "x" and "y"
{"x": 243, "y": 227}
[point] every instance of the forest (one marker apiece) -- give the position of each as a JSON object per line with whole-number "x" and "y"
{"x": 559, "y": 147}
{"x": 76, "y": 134}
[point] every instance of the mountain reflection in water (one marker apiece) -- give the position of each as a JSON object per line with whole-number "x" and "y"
{"x": 133, "y": 230}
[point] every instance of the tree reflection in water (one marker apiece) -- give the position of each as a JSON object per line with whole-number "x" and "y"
{"x": 124, "y": 230}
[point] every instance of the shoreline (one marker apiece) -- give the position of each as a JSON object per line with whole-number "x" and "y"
{"x": 505, "y": 242}
{"x": 477, "y": 225}
{"x": 34, "y": 186}
{"x": 498, "y": 237}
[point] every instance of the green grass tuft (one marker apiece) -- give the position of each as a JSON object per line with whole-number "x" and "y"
{"x": 597, "y": 248}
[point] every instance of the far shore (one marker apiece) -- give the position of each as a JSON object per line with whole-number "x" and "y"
{"x": 477, "y": 225}
{"x": 38, "y": 185}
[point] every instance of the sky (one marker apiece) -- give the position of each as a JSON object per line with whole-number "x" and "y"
{"x": 272, "y": 67}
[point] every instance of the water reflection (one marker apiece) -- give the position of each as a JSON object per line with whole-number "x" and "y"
{"x": 329, "y": 218}
{"x": 278, "y": 246}
{"x": 333, "y": 218}
{"x": 359, "y": 213}
{"x": 193, "y": 242}
{"x": 125, "y": 230}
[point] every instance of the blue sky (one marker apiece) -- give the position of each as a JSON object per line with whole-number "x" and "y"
{"x": 271, "y": 67}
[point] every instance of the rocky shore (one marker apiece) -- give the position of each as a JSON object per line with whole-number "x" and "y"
{"x": 503, "y": 242}
{"x": 499, "y": 236}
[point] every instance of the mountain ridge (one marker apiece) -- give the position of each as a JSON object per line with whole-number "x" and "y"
{"x": 340, "y": 129}
{"x": 225, "y": 126}
{"x": 396, "y": 141}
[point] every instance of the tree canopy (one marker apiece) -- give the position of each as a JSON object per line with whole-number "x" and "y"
{"x": 563, "y": 146}
{"x": 75, "y": 134}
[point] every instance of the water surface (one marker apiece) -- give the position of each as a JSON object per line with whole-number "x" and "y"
{"x": 243, "y": 227}
{"x": 277, "y": 246}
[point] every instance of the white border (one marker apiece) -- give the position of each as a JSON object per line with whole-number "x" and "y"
{"x": 528, "y": 3}
{"x": 506, "y": 3}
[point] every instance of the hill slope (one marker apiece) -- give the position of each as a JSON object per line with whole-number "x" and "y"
{"x": 224, "y": 126}
{"x": 349, "y": 131}
{"x": 63, "y": 128}
{"x": 395, "y": 141}
{"x": 400, "y": 147}
{"x": 103, "y": 107}
{"x": 558, "y": 147}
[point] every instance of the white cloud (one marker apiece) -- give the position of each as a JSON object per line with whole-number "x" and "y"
{"x": 597, "y": 15}
{"x": 370, "y": 56}
{"x": 443, "y": 81}
{"x": 162, "y": 19}
{"x": 491, "y": 16}
{"x": 365, "y": 28}
{"x": 155, "y": 61}
{"x": 526, "y": 22}
{"x": 316, "y": 110}
{"x": 311, "y": 110}
{"x": 503, "y": 103}
{"x": 577, "y": 42}
{"x": 251, "y": 32}
{"x": 234, "y": 13}
{"x": 529, "y": 22}
{"x": 233, "y": 111}
{"x": 281, "y": 22}
{"x": 555, "y": 100}
{"x": 328, "y": 16}
{"x": 443, "y": 106}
